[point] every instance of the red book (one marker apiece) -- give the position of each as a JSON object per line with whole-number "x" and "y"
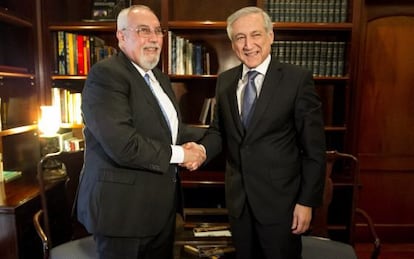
{"x": 80, "y": 55}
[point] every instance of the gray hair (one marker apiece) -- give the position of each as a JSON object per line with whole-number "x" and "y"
{"x": 122, "y": 20}
{"x": 268, "y": 26}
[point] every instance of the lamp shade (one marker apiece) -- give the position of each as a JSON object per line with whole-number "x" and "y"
{"x": 49, "y": 122}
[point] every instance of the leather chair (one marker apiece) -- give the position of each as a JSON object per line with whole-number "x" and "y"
{"x": 61, "y": 234}
{"x": 318, "y": 245}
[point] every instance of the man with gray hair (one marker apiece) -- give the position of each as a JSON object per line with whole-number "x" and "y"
{"x": 268, "y": 121}
{"x": 129, "y": 184}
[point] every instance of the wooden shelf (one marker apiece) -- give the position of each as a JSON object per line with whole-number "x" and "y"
{"x": 68, "y": 77}
{"x": 71, "y": 126}
{"x": 16, "y": 75}
{"x": 14, "y": 19}
{"x": 207, "y": 25}
{"x": 18, "y": 130}
{"x": 221, "y": 25}
{"x": 109, "y": 26}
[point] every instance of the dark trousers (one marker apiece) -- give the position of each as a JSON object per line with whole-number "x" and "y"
{"x": 152, "y": 247}
{"x": 254, "y": 240}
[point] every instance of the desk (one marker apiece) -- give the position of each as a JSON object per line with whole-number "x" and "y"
{"x": 18, "y": 238}
{"x": 184, "y": 236}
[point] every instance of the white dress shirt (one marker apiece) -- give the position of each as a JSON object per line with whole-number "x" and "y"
{"x": 258, "y": 81}
{"x": 167, "y": 106}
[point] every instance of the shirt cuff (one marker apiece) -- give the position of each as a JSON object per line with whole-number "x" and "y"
{"x": 177, "y": 154}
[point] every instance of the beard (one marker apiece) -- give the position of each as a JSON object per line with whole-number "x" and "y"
{"x": 149, "y": 61}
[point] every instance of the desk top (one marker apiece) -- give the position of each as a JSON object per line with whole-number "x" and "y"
{"x": 19, "y": 191}
{"x": 186, "y": 236}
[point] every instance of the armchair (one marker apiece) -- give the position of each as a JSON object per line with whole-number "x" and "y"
{"x": 66, "y": 238}
{"x": 317, "y": 244}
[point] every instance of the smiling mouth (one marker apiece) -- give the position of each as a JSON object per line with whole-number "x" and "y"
{"x": 151, "y": 49}
{"x": 251, "y": 53}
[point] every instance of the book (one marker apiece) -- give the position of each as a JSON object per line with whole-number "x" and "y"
{"x": 214, "y": 251}
{"x": 212, "y": 231}
{"x": 209, "y": 251}
{"x": 11, "y": 175}
{"x": 205, "y": 110}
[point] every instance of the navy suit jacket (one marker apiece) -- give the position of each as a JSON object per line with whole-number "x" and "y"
{"x": 279, "y": 160}
{"x": 128, "y": 185}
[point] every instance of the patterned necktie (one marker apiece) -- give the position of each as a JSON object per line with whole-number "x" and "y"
{"x": 250, "y": 95}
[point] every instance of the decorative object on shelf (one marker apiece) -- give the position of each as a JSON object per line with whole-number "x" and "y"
{"x": 108, "y": 10}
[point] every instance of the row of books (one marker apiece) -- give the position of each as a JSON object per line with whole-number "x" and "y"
{"x": 318, "y": 11}
{"x": 75, "y": 53}
{"x": 324, "y": 58}
{"x": 68, "y": 142}
{"x": 69, "y": 104}
{"x": 187, "y": 58}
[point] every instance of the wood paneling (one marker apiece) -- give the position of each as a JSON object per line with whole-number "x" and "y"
{"x": 388, "y": 87}
{"x": 385, "y": 128}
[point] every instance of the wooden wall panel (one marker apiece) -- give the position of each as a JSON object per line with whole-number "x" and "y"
{"x": 386, "y": 122}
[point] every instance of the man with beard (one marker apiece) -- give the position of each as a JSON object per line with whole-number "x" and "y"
{"x": 128, "y": 188}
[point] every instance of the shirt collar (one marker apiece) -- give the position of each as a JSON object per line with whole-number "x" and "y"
{"x": 262, "y": 68}
{"x": 143, "y": 72}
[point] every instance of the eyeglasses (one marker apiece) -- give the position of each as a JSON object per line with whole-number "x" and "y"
{"x": 146, "y": 32}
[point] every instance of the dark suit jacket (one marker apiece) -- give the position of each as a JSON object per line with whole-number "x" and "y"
{"x": 128, "y": 185}
{"x": 280, "y": 159}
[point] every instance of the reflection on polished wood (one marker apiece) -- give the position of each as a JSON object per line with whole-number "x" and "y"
{"x": 17, "y": 236}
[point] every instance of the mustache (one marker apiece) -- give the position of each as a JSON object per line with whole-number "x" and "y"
{"x": 153, "y": 45}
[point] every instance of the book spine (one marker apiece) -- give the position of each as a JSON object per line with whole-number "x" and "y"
{"x": 80, "y": 56}
{"x": 61, "y": 38}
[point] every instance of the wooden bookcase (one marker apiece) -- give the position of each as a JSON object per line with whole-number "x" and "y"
{"x": 202, "y": 22}
{"x": 19, "y": 83}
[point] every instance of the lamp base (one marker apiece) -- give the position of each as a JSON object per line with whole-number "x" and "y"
{"x": 54, "y": 170}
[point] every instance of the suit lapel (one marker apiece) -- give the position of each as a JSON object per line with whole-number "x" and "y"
{"x": 232, "y": 100}
{"x": 269, "y": 88}
{"x": 144, "y": 90}
{"x": 166, "y": 86}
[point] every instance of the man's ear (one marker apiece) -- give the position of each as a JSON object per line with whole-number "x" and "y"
{"x": 120, "y": 35}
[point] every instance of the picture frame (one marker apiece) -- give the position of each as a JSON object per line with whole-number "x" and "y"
{"x": 107, "y": 10}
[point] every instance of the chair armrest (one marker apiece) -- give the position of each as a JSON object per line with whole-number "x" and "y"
{"x": 37, "y": 218}
{"x": 377, "y": 242}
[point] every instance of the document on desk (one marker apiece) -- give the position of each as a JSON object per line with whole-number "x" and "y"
{"x": 212, "y": 231}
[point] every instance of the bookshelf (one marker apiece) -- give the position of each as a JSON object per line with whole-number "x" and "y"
{"x": 202, "y": 23}
{"x": 20, "y": 66}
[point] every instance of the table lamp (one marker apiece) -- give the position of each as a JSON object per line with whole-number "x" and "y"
{"x": 49, "y": 124}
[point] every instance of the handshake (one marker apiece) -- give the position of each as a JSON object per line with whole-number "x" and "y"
{"x": 194, "y": 155}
